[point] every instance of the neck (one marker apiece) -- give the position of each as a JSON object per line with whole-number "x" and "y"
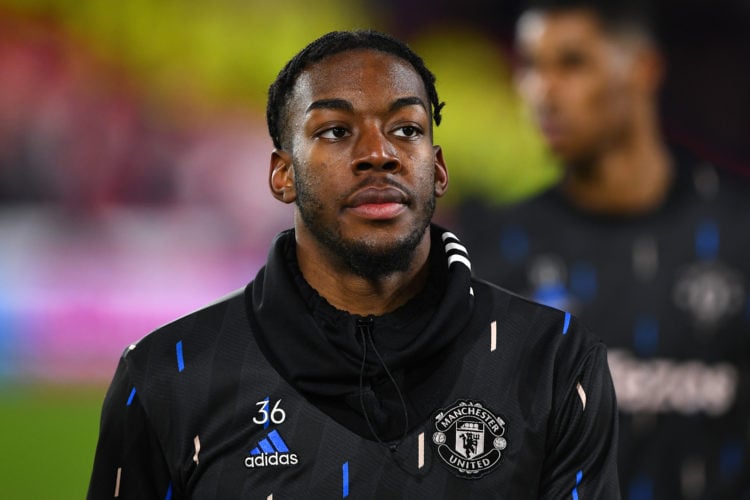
{"x": 631, "y": 179}
{"x": 347, "y": 291}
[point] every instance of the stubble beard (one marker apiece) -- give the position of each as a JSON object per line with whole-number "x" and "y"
{"x": 362, "y": 257}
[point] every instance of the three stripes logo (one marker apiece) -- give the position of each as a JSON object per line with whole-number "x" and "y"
{"x": 455, "y": 250}
{"x": 271, "y": 451}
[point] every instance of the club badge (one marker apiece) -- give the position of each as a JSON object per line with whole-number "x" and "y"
{"x": 469, "y": 438}
{"x": 710, "y": 292}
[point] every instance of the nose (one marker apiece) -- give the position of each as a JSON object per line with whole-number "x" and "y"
{"x": 373, "y": 150}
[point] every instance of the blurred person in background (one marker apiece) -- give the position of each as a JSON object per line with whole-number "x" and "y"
{"x": 646, "y": 243}
{"x": 363, "y": 359}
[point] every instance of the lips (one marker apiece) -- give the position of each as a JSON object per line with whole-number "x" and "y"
{"x": 378, "y": 203}
{"x": 551, "y": 125}
{"x": 377, "y": 196}
{"x": 551, "y": 130}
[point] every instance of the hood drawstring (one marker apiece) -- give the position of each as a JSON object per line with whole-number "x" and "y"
{"x": 364, "y": 328}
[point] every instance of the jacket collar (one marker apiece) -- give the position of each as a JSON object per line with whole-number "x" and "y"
{"x": 315, "y": 346}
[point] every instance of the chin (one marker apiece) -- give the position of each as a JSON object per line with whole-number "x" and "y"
{"x": 566, "y": 154}
{"x": 381, "y": 243}
{"x": 377, "y": 255}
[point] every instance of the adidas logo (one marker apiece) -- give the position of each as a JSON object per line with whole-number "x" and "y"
{"x": 271, "y": 451}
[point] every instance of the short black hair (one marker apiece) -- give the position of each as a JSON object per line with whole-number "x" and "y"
{"x": 330, "y": 44}
{"x": 614, "y": 15}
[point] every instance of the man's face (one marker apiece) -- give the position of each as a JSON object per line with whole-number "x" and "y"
{"x": 365, "y": 171}
{"x": 577, "y": 81}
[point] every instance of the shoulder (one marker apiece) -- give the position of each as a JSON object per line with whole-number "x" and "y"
{"x": 165, "y": 352}
{"x": 734, "y": 189}
{"x": 548, "y": 350}
{"x": 529, "y": 322}
{"x": 708, "y": 181}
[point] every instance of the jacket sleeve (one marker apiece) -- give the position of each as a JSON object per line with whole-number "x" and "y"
{"x": 129, "y": 463}
{"x": 582, "y": 450}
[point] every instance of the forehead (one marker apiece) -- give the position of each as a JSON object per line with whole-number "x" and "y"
{"x": 356, "y": 75}
{"x": 559, "y": 29}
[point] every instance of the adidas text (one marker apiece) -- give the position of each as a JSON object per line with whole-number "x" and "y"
{"x": 270, "y": 459}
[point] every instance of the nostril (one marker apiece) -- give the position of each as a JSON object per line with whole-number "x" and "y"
{"x": 363, "y": 166}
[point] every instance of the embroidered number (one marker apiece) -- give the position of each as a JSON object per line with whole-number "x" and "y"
{"x": 276, "y": 415}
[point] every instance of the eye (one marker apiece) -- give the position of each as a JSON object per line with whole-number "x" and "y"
{"x": 407, "y": 131}
{"x": 334, "y": 133}
{"x": 573, "y": 59}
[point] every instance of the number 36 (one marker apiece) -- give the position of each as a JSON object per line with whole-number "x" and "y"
{"x": 276, "y": 415}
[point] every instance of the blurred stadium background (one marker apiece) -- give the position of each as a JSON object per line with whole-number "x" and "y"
{"x": 133, "y": 161}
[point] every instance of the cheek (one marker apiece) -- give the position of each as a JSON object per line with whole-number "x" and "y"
{"x": 615, "y": 106}
{"x": 319, "y": 187}
{"x": 586, "y": 94}
{"x": 303, "y": 181}
{"x": 591, "y": 102}
{"x": 427, "y": 177}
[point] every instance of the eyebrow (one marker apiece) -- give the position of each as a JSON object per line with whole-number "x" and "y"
{"x": 340, "y": 104}
{"x": 344, "y": 105}
{"x": 407, "y": 101}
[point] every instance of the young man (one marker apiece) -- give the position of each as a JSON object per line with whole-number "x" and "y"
{"x": 647, "y": 245}
{"x": 363, "y": 360}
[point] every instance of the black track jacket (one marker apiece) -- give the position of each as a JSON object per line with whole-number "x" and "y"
{"x": 467, "y": 391}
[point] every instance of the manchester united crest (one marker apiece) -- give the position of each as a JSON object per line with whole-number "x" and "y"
{"x": 469, "y": 438}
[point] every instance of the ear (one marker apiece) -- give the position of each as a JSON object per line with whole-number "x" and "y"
{"x": 281, "y": 176}
{"x": 649, "y": 70}
{"x": 441, "y": 172}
